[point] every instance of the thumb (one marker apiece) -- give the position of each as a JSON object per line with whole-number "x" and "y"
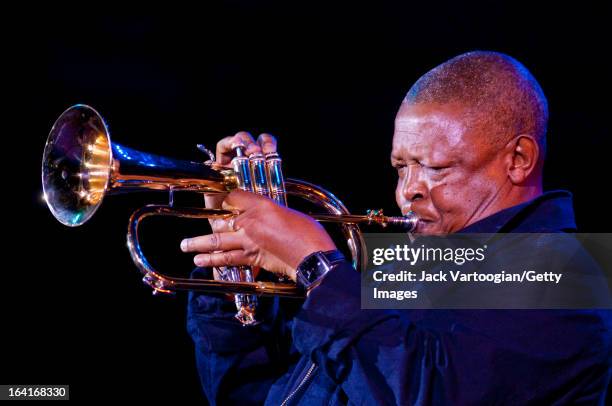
{"x": 238, "y": 200}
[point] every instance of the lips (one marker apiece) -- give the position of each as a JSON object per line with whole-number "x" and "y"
{"x": 425, "y": 221}
{"x": 422, "y": 226}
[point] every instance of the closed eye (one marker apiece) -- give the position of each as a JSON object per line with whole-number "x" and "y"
{"x": 399, "y": 167}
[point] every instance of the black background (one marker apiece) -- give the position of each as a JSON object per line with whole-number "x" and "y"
{"x": 326, "y": 80}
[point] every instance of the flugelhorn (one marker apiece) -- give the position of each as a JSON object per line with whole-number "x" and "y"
{"x": 81, "y": 166}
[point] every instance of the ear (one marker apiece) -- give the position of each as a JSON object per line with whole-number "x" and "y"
{"x": 523, "y": 158}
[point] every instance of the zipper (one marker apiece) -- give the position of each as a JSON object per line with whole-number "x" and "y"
{"x": 300, "y": 385}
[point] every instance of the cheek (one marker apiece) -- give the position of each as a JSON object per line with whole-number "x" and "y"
{"x": 454, "y": 196}
{"x": 460, "y": 198}
{"x": 446, "y": 198}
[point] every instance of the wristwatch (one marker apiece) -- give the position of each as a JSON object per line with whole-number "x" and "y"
{"x": 315, "y": 266}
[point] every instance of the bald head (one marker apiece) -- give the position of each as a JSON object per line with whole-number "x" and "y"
{"x": 500, "y": 97}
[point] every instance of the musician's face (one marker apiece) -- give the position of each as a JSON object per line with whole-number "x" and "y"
{"x": 447, "y": 174}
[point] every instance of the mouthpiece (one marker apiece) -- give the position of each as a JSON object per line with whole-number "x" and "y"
{"x": 408, "y": 222}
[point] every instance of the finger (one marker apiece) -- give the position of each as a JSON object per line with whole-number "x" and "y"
{"x": 242, "y": 137}
{"x": 267, "y": 142}
{"x": 225, "y": 152}
{"x": 252, "y": 149}
{"x": 227, "y": 258}
{"x": 213, "y": 201}
{"x": 212, "y": 242}
{"x": 240, "y": 200}
{"x": 220, "y": 226}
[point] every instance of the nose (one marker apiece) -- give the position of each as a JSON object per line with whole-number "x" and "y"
{"x": 412, "y": 187}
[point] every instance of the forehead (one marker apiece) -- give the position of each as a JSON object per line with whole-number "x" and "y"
{"x": 429, "y": 130}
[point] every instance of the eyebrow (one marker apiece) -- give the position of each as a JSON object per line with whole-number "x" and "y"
{"x": 404, "y": 156}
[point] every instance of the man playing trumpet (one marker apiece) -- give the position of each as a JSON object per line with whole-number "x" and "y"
{"x": 469, "y": 146}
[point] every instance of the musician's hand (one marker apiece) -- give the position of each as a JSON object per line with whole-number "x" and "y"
{"x": 266, "y": 235}
{"x": 265, "y": 143}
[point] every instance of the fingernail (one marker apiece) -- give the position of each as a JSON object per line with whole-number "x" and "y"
{"x": 184, "y": 244}
{"x": 198, "y": 261}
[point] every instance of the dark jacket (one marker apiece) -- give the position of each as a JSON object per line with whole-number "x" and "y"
{"x": 327, "y": 350}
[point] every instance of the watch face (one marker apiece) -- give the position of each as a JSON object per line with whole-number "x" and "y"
{"x": 311, "y": 266}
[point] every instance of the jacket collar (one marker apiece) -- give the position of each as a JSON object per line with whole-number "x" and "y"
{"x": 550, "y": 212}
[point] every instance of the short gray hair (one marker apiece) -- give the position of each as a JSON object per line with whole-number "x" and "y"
{"x": 498, "y": 92}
